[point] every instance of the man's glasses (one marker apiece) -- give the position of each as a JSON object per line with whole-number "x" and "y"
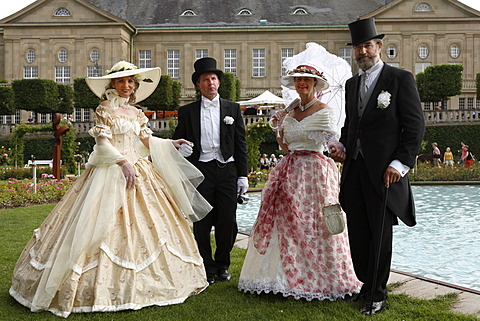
{"x": 367, "y": 46}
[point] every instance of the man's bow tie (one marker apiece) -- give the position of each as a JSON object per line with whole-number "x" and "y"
{"x": 209, "y": 104}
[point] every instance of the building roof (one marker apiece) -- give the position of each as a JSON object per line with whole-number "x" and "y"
{"x": 221, "y": 13}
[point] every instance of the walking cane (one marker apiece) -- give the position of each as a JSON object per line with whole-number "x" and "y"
{"x": 380, "y": 239}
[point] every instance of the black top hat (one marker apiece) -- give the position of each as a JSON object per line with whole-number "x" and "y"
{"x": 204, "y": 65}
{"x": 363, "y": 30}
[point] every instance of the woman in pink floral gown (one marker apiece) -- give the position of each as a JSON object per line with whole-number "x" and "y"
{"x": 290, "y": 250}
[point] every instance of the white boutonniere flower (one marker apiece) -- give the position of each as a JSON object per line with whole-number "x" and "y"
{"x": 228, "y": 120}
{"x": 383, "y": 99}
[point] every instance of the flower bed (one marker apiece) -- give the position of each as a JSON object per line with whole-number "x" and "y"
{"x": 15, "y": 192}
{"x": 427, "y": 172}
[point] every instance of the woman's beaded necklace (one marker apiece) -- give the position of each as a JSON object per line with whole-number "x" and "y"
{"x": 310, "y": 103}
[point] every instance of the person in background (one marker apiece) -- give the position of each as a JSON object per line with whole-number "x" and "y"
{"x": 264, "y": 162}
{"x": 118, "y": 239}
{"x": 273, "y": 160}
{"x": 215, "y": 127}
{"x": 468, "y": 158}
{"x": 448, "y": 157}
{"x": 380, "y": 140}
{"x": 436, "y": 155}
{"x": 463, "y": 153}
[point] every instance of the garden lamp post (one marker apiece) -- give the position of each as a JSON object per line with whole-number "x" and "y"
{"x": 34, "y": 171}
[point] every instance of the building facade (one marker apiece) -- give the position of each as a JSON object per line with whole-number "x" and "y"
{"x": 65, "y": 39}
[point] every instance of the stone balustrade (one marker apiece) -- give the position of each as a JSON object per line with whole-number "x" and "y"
{"x": 443, "y": 117}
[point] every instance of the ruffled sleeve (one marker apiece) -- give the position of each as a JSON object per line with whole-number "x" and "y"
{"x": 323, "y": 121}
{"x": 103, "y": 122}
{"x": 145, "y": 131}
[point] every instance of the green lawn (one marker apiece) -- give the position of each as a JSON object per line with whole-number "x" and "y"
{"x": 222, "y": 301}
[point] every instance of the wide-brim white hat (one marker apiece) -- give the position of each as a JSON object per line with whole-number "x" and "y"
{"x": 305, "y": 71}
{"x": 148, "y": 79}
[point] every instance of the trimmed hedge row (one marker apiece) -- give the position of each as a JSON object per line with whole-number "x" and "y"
{"x": 451, "y": 136}
{"x": 42, "y": 147}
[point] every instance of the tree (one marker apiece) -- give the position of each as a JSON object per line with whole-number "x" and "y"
{"x": 227, "y": 87}
{"x": 477, "y": 85}
{"x": 7, "y": 106}
{"x": 83, "y": 97}
{"x": 162, "y": 97}
{"x": 65, "y": 99}
{"x": 177, "y": 94}
{"x": 238, "y": 89}
{"x": 439, "y": 83}
{"x": 37, "y": 95}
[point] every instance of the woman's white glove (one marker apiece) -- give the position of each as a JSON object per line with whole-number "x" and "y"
{"x": 129, "y": 173}
{"x": 242, "y": 185}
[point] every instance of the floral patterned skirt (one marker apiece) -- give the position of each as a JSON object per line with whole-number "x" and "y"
{"x": 290, "y": 250}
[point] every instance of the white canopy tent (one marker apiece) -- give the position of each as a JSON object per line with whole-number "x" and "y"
{"x": 266, "y": 98}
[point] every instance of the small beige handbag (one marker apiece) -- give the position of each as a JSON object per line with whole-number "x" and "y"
{"x": 333, "y": 216}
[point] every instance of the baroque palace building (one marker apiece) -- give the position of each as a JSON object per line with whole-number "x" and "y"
{"x": 65, "y": 39}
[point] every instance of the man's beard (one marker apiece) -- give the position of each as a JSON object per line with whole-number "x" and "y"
{"x": 365, "y": 64}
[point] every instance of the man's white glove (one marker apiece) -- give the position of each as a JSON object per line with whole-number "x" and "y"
{"x": 185, "y": 150}
{"x": 242, "y": 185}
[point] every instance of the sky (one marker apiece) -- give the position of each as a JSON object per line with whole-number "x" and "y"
{"x": 7, "y": 7}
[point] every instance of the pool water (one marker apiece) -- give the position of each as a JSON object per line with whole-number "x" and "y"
{"x": 445, "y": 243}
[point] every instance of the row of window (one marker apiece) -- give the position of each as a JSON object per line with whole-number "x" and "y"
{"x": 421, "y": 7}
{"x": 230, "y": 56}
{"x": 247, "y": 12}
{"x": 424, "y": 51}
{"x": 62, "y": 55}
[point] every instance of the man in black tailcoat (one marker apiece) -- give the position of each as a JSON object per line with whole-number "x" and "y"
{"x": 216, "y": 129}
{"x": 381, "y": 137}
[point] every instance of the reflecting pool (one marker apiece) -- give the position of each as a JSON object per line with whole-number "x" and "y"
{"x": 445, "y": 243}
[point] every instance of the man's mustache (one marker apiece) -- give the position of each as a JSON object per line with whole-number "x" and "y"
{"x": 364, "y": 56}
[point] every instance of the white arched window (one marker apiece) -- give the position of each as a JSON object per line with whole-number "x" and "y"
{"x": 188, "y": 13}
{"x": 423, "y": 7}
{"x": 31, "y": 55}
{"x": 392, "y": 52}
{"x": 454, "y": 51}
{"x": 423, "y": 51}
{"x": 244, "y": 12}
{"x": 62, "y": 12}
{"x": 300, "y": 11}
{"x": 62, "y": 55}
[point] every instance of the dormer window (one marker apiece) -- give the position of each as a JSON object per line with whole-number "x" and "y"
{"x": 188, "y": 13}
{"x": 244, "y": 12}
{"x": 423, "y": 7}
{"x": 62, "y": 12}
{"x": 300, "y": 12}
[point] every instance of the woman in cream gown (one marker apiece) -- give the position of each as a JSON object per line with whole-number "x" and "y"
{"x": 290, "y": 250}
{"x": 119, "y": 238}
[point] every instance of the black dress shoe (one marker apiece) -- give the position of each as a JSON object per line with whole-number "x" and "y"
{"x": 374, "y": 307}
{"x": 358, "y": 297}
{"x": 211, "y": 278}
{"x": 223, "y": 275}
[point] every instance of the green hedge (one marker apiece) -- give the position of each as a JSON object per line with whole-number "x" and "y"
{"x": 42, "y": 147}
{"x": 451, "y": 136}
